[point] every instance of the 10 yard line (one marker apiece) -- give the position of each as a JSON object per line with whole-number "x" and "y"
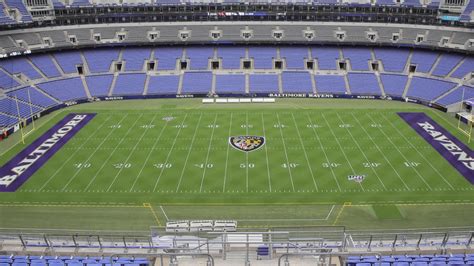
{"x": 169, "y": 152}
{"x": 189, "y": 152}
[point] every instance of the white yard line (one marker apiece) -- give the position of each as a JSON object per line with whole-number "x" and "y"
{"x": 266, "y": 156}
{"x": 208, "y": 151}
{"x": 247, "y": 154}
{"x": 164, "y": 213}
{"x": 305, "y": 154}
{"x": 131, "y": 153}
{"x": 291, "y": 219}
{"x": 149, "y": 155}
{"x": 112, "y": 153}
{"x": 227, "y": 154}
{"x": 92, "y": 154}
{"x": 383, "y": 154}
{"x": 189, "y": 153}
{"x": 169, "y": 153}
{"x": 286, "y": 154}
{"x": 422, "y": 155}
{"x": 363, "y": 153}
{"x": 402, "y": 154}
{"x": 342, "y": 151}
{"x": 74, "y": 153}
{"x": 324, "y": 151}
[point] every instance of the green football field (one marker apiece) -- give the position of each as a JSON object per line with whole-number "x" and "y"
{"x": 140, "y": 163}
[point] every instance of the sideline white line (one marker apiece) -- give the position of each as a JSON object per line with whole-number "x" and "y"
{"x": 189, "y": 153}
{"x": 286, "y": 153}
{"x": 169, "y": 152}
{"x": 131, "y": 152}
{"x": 112, "y": 153}
{"x": 164, "y": 213}
{"x": 305, "y": 154}
{"x": 383, "y": 154}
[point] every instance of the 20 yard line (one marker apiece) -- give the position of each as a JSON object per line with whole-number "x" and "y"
{"x": 436, "y": 170}
{"x": 266, "y": 156}
{"x": 383, "y": 154}
{"x": 74, "y": 153}
{"x": 169, "y": 153}
{"x": 305, "y": 154}
{"x": 363, "y": 153}
{"x": 227, "y": 154}
{"x": 402, "y": 154}
{"x": 149, "y": 155}
{"x": 130, "y": 153}
{"x": 112, "y": 153}
{"x": 324, "y": 151}
{"x": 342, "y": 151}
{"x": 92, "y": 154}
{"x": 208, "y": 151}
{"x": 189, "y": 152}
{"x": 286, "y": 154}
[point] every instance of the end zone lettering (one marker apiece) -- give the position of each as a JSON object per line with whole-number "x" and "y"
{"x": 14, "y": 173}
{"x": 459, "y": 155}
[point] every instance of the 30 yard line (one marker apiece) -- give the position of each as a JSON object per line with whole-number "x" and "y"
{"x": 189, "y": 152}
{"x": 208, "y": 151}
{"x": 74, "y": 153}
{"x": 324, "y": 151}
{"x": 227, "y": 154}
{"x": 342, "y": 151}
{"x": 383, "y": 154}
{"x": 131, "y": 152}
{"x": 402, "y": 154}
{"x": 286, "y": 154}
{"x": 305, "y": 154}
{"x": 112, "y": 153}
{"x": 266, "y": 156}
{"x": 92, "y": 154}
{"x": 363, "y": 153}
{"x": 169, "y": 152}
{"x": 149, "y": 155}
{"x": 436, "y": 170}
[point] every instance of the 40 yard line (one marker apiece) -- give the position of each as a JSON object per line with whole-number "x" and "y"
{"x": 189, "y": 152}
{"x": 286, "y": 154}
{"x": 208, "y": 151}
{"x": 227, "y": 153}
{"x": 266, "y": 156}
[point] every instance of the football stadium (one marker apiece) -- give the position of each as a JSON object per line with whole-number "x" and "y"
{"x": 236, "y": 132}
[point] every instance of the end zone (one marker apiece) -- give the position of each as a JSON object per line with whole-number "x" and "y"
{"x": 21, "y": 167}
{"x": 453, "y": 150}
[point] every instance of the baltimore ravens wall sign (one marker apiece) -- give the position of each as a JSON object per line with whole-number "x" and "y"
{"x": 247, "y": 143}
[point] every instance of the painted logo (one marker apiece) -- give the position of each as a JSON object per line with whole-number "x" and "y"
{"x": 247, "y": 143}
{"x": 168, "y": 118}
{"x": 356, "y": 178}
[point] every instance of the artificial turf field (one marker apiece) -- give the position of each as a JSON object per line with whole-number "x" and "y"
{"x": 140, "y": 163}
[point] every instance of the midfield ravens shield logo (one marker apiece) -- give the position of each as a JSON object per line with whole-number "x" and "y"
{"x": 247, "y": 143}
